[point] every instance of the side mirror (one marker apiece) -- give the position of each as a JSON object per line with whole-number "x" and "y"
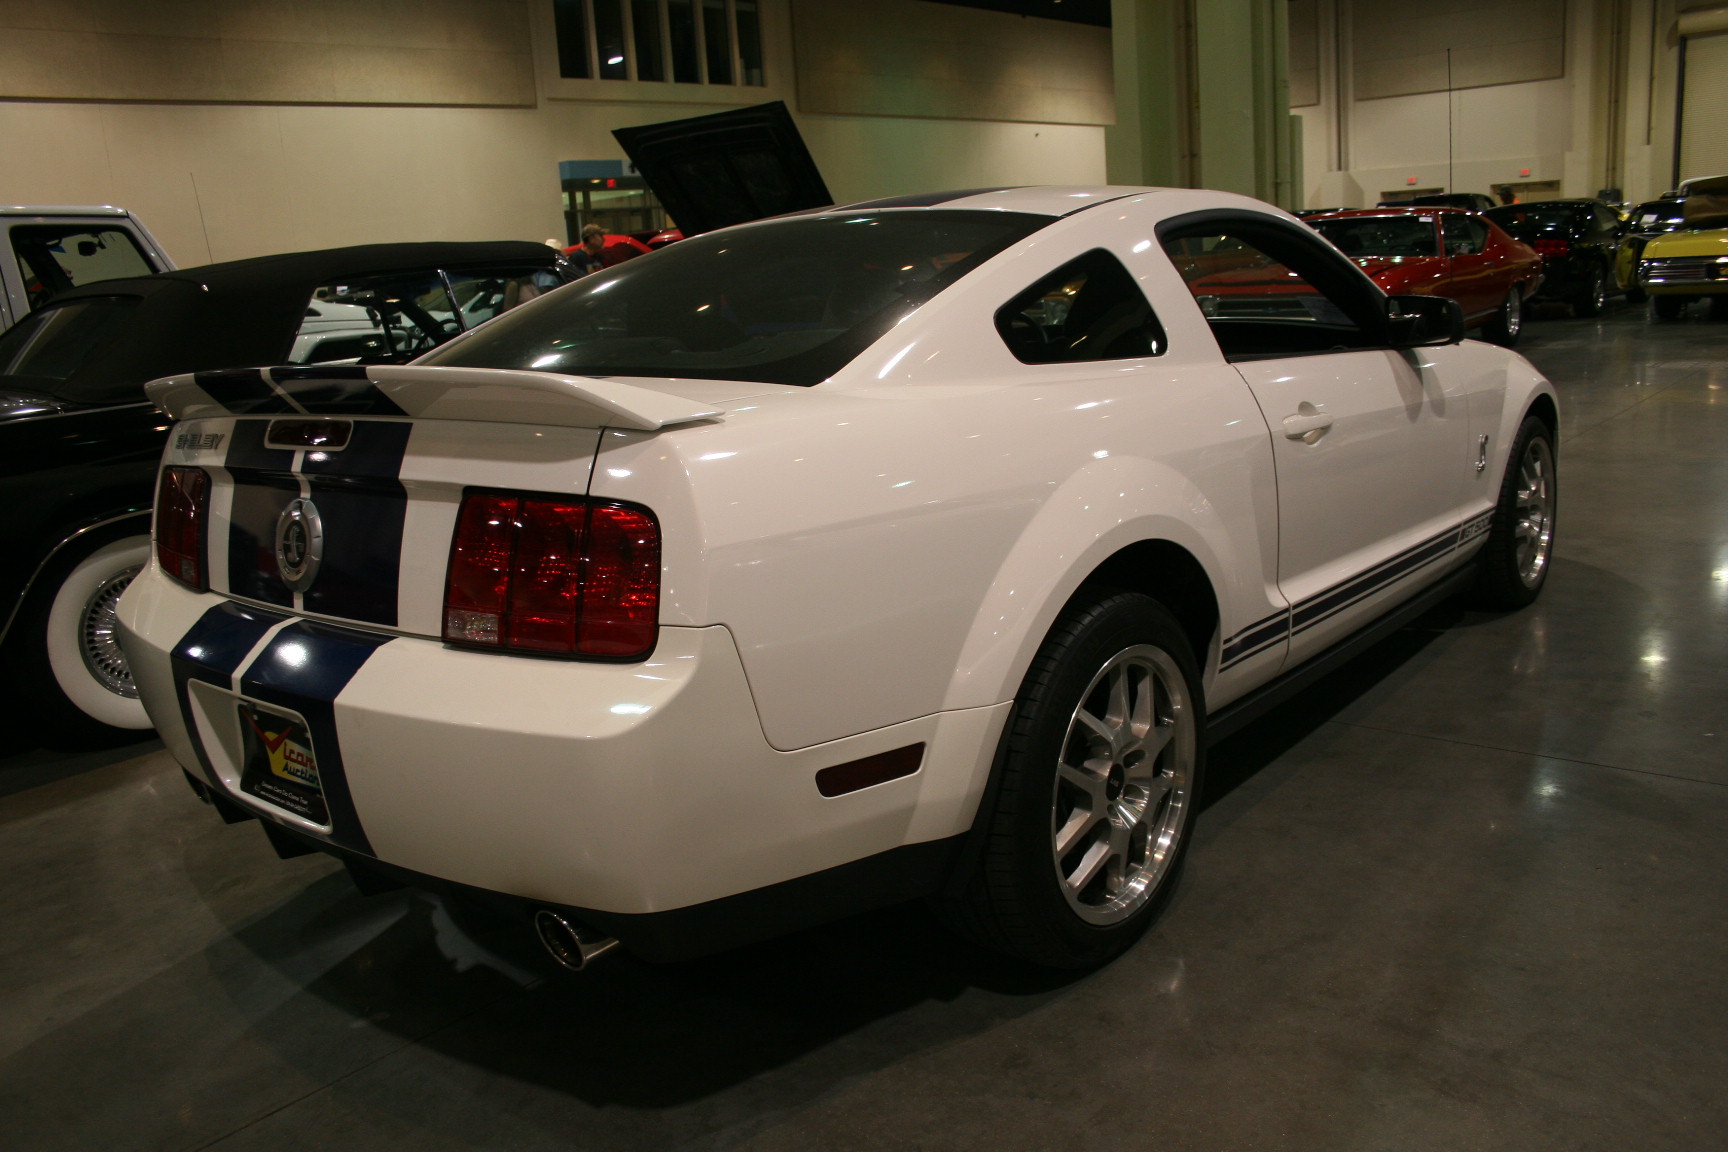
{"x": 1423, "y": 321}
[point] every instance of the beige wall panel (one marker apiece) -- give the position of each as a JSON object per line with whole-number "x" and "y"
{"x": 1505, "y": 122}
{"x": 864, "y": 157}
{"x": 1704, "y": 107}
{"x": 257, "y": 180}
{"x": 914, "y": 59}
{"x": 1304, "y": 53}
{"x": 1401, "y": 49}
{"x": 436, "y": 52}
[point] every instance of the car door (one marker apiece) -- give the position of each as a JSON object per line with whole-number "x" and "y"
{"x": 1478, "y": 281}
{"x": 1369, "y": 443}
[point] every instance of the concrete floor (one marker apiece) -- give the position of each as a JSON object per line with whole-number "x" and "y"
{"x": 1467, "y": 894}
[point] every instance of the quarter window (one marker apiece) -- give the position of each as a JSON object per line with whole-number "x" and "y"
{"x": 1465, "y": 235}
{"x": 1088, "y": 309}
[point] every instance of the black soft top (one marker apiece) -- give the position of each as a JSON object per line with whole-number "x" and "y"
{"x": 243, "y": 313}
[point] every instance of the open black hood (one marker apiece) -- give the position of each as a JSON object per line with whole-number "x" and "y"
{"x": 713, "y": 171}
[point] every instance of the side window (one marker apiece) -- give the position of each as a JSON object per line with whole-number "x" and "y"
{"x": 375, "y": 319}
{"x": 1465, "y": 235}
{"x": 55, "y": 257}
{"x": 1260, "y": 306}
{"x": 1088, "y": 309}
{"x": 483, "y": 295}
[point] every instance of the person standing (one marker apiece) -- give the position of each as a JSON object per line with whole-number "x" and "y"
{"x": 600, "y": 249}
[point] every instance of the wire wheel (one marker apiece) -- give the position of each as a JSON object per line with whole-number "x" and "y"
{"x": 99, "y": 639}
{"x": 1533, "y": 530}
{"x": 1124, "y": 785}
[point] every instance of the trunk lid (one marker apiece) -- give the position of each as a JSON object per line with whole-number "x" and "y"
{"x": 334, "y": 491}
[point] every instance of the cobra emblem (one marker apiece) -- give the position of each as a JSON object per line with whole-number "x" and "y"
{"x": 299, "y": 544}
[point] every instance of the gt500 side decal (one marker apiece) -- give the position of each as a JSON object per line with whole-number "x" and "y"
{"x": 1321, "y": 606}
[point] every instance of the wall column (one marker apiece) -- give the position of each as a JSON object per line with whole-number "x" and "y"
{"x": 1202, "y": 96}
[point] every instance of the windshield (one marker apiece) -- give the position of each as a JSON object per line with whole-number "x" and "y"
{"x": 785, "y": 302}
{"x": 1358, "y": 236}
{"x": 44, "y": 350}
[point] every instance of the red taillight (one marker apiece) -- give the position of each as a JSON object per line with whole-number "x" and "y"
{"x": 1551, "y": 249}
{"x": 182, "y": 500}
{"x": 558, "y": 576}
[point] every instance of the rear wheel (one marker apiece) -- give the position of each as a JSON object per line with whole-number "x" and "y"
{"x": 1506, "y": 324}
{"x": 1594, "y": 297}
{"x": 1099, "y": 777}
{"x": 1666, "y": 307}
{"x": 64, "y": 652}
{"x": 1513, "y": 564}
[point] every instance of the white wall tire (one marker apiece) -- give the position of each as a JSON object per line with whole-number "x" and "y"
{"x": 77, "y": 636}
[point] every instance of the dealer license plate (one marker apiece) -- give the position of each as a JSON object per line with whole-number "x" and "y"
{"x": 278, "y": 764}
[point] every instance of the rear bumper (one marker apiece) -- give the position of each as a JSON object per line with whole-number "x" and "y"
{"x": 626, "y": 791}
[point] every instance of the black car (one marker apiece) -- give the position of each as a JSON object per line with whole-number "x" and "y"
{"x": 79, "y": 443}
{"x": 1577, "y": 240}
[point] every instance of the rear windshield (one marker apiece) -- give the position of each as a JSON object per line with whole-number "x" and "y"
{"x": 1522, "y": 220}
{"x": 1381, "y": 235}
{"x": 786, "y": 302}
{"x": 46, "y": 348}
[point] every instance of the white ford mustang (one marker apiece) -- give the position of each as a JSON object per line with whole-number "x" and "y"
{"x": 912, "y": 548}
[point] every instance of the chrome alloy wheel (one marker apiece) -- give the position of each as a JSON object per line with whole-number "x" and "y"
{"x": 1533, "y": 531}
{"x": 1123, "y": 789}
{"x": 98, "y": 636}
{"x": 1514, "y": 319}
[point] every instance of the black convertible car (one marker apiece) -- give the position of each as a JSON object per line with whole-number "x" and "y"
{"x": 79, "y": 443}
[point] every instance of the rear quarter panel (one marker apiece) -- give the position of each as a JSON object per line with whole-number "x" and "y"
{"x": 898, "y": 540}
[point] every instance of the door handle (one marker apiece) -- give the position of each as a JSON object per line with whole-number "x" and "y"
{"x": 1307, "y": 425}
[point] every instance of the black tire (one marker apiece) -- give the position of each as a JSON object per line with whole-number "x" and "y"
{"x": 1594, "y": 298}
{"x": 69, "y": 679}
{"x": 1020, "y": 896}
{"x": 1509, "y": 575}
{"x": 1666, "y": 307}
{"x": 1507, "y": 323}
{"x": 1719, "y": 307}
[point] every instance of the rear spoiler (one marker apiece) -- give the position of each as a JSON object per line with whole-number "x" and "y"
{"x": 497, "y": 395}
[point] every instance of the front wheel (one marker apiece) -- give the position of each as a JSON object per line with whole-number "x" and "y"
{"x": 1098, "y": 780}
{"x": 1667, "y": 307}
{"x": 66, "y": 663}
{"x": 1505, "y": 325}
{"x": 1513, "y": 564}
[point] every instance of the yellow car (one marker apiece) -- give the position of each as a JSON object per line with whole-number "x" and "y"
{"x": 1692, "y": 261}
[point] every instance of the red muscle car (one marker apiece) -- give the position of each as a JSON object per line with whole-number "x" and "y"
{"x": 1442, "y": 252}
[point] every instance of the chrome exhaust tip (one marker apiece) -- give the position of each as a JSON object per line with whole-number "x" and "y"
{"x": 571, "y": 944}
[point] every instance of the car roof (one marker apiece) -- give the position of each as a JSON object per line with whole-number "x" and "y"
{"x": 1053, "y": 200}
{"x": 1413, "y": 210}
{"x": 62, "y": 210}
